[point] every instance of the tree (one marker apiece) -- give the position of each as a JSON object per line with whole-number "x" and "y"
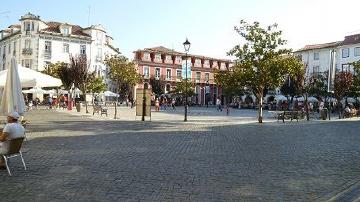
{"x": 342, "y": 85}
{"x": 184, "y": 88}
{"x": 123, "y": 73}
{"x": 261, "y": 62}
{"x": 97, "y": 85}
{"x": 61, "y": 71}
{"x": 79, "y": 69}
{"x": 355, "y": 88}
{"x": 230, "y": 83}
{"x": 157, "y": 85}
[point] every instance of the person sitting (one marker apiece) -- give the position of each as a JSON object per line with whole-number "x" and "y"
{"x": 347, "y": 111}
{"x": 13, "y": 129}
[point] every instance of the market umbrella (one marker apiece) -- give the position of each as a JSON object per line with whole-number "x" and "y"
{"x": 32, "y": 78}
{"x": 36, "y": 90}
{"x": 12, "y": 97}
{"x": 110, "y": 94}
{"x": 280, "y": 98}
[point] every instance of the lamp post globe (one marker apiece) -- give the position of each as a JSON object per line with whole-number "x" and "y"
{"x": 187, "y": 45}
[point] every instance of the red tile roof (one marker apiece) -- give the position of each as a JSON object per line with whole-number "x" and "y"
{"x": 351, "y": 39}
{"x": 55, "y": 28}
{"x": 319, "y": 46}
{"x": 162, "y": 49}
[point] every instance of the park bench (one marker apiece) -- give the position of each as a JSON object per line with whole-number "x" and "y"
{"x": 100, "y": 110}
{"x": 289, "y": 115}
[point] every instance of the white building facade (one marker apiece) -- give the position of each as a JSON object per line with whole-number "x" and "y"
{"x": 317, "y": 57}
{"x": 36, "y": 44}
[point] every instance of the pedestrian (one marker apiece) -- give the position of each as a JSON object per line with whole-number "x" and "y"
{"x": 218, "y": 104}
{"x": 157, "y": 105}
{"x": 173, "y": 104}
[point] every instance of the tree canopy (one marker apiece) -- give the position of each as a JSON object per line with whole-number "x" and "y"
{"x": 123, "y": 73}
{"x": 261, "y": 61}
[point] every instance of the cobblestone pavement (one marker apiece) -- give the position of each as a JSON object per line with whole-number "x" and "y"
{"x": 74, "y": 158}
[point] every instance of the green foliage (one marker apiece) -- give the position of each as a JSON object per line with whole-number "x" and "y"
{"x": 97, "y": 85}
{"x": 230, "y": 83}
{"x": 261, "y": 61}
{"x": 123, "y": 73}
{"x": 185, "y": 88}
{"x": 61, "y": 71}
{"x": 157, "y": 85}
{"x": 342, "y": 84}
{"x": 355, "y": 88}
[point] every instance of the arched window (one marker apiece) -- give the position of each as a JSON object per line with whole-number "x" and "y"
{"x": 146, "y": 85}
{"x": 167, "y": 88}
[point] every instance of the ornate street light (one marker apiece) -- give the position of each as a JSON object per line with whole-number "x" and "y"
{"x": 187, "y": 45}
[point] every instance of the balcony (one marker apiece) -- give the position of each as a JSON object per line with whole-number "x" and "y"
{"x": 47, "y": 54}
{"x": 27, "y": 51}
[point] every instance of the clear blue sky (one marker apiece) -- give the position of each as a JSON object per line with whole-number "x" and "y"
{"x": 138, "y": 24}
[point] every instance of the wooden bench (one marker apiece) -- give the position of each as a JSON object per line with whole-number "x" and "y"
{"x": 289, "y": 115}
{"x": 100, "y": 110}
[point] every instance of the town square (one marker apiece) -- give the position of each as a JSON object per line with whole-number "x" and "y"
{"x": 166, "y": 106}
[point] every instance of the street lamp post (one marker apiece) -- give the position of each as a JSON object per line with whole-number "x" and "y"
{"x": 186, "y": 47}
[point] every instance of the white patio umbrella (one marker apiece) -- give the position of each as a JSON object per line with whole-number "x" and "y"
{"x": 12, "y": 97}
{"x": 280, "y": 98}
{"x": 36, "y": 90}
{"x": 110, "y": 94}
{"x": 31, "y": 78}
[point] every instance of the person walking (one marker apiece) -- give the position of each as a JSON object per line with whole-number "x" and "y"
{"x": 218, "y": 104}
{"x": 173, "y": 104}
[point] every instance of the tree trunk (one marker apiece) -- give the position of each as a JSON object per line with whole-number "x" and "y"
{"x": 260, "y": 115}
{"x": 306, "y": 107}
{"x": 339, "y": 108}
{"x": 115, "y": 110}
{"x": 86, "y": 107}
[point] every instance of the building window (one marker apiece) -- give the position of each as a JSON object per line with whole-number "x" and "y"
{"x": 99, "y": 53}
{"x": 299, "y": 57}
{"x": 167, "y": 88}
{"x": 27, "y": 43}
{"x": 32, "y": 26}
{"x": 66, "y": 48}
{"x": 158, "y": 57}
{"x": 198, "y": 62}
{"x": 345, "y": 52}
{"x": 316, "y": 70}
{"x": 146, "y": 56}
{"x": 316, "y": 56}
{"x": 357, "y": 51}
{"x": 198, "y": 76}
{"x": 178, "y": 59}
{"x": 99, "y": 36}
{"x": 9, "y": 48}
{"x": 83, "y": 49}
{"x": 47, "y": 46}
{"x": 65, "y": 31}
{"x": 14, "y": 50}
{"x": 178, "y": 74}
{"x": 27, "y": 27}
{"x": 345, "y": 68}
{"x": 168, "y": 74}
{"x": 27, "y": 63}
{"x": 207, "y": 77}
{"x": 157, "y": 72}
{"x": 146, "y": 71}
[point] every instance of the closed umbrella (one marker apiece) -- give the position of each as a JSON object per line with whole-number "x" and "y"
{"x": 12, "y": 97}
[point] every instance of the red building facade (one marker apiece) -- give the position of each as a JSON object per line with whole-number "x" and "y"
{"x": 164, "y": 64}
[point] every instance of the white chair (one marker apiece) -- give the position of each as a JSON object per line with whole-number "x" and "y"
{"x": 14, "y": 151}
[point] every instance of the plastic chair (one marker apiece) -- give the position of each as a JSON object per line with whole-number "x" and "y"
{"x": 14, "y": 151}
